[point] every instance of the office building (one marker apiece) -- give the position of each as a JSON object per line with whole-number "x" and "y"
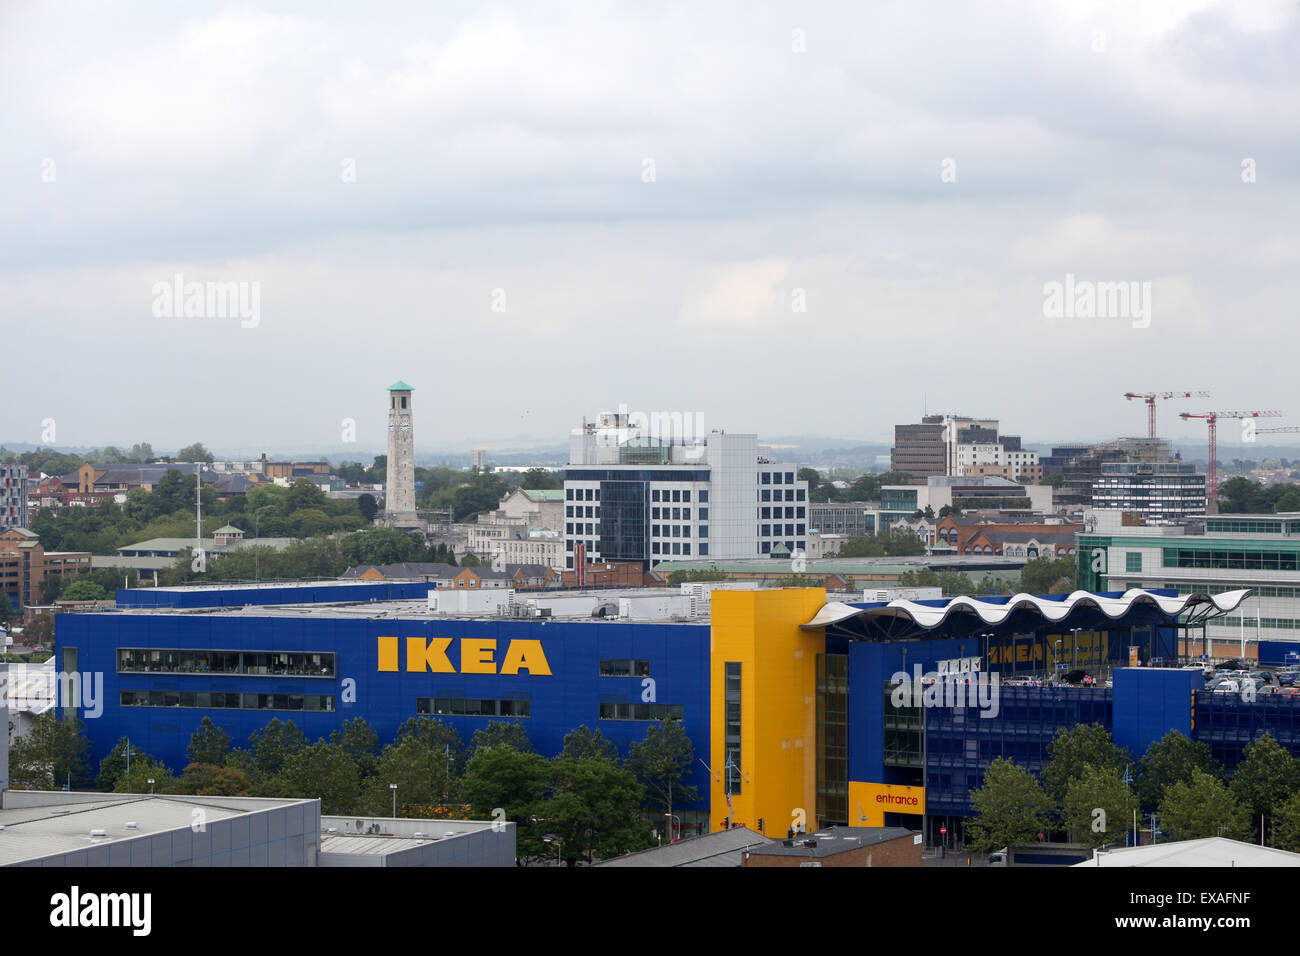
{"x": 1159, "y": 492}
{"x": 13, "y": 496}
{"x": 636, "y": 497}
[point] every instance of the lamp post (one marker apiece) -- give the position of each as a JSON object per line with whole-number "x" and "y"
{"x": 671, "y": 817}
{"x": 559, "y": 846}
{"x": 393, "y": 787}
{"x": 151, "y": 786}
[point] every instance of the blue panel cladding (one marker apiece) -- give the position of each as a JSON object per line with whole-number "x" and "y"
{"x": 1279, "y": 653}
{"x": 1229, "y": 724}
{"x": 569, "y": 697}
{"x": 1150, "y": 702}
{"x": 871, "y": 665}
{"x": 233, "y": 596}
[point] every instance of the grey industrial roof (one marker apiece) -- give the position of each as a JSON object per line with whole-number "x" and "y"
{"x": 834, "y": 840}
{"x": 1211, "y": 851}
{"x": 63, "y": 824}
{"x": 725, "y": 848}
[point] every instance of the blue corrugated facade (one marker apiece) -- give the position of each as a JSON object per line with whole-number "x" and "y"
{"x": 570, "y": 696}
{"x": 228, "y": 596}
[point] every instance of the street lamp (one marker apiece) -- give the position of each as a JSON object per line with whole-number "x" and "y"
{"x": 671, "y": 818}
{"x": 393, "y": 787}
{"x": 151, "y": 785}
{"x": 559, "y": 845}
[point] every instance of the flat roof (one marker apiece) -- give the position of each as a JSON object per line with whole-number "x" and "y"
{"x": 834, "y": 840}
{"x": 62, "y": 822}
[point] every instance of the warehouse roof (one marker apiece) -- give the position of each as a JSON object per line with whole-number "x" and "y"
{"x": 725, "y": 848}
{"x": 1211, "y": 851}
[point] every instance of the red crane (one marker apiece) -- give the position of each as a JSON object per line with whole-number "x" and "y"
{"x": 1212, "y": 419}
{"x": 1150, "y": 399}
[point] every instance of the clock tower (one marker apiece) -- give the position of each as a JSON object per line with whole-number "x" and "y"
{"x": 399, "y": 489}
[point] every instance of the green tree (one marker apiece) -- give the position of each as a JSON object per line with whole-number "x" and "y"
{"x": 209, "y": 780}
{"x": 6, "y": 608}
{"x": 661, "y": 762}
{"x": 500, "y": 733}
{"x": 52, "y": 754}
{"x": 1201, "y": 808}
{"x": 368, "y": 506}
{"x": 1081, "y": 746}
{"x": 585, "y": 742}
{"x": 195, "y": 452}
{"x": 1286, "y": 825}
{"x": 113, "y": 766}
{"x": 209, "y": 744}
{"x": 1265, "y": 779}
{"x": 1097, "y": 807}
{"x": 321, "y": 771}
{"x": 595, "y": 809}
{"x": 361, "y": 744}
{"x": 272, "y": 746}
{"x": 516, "y": 783}
{"x": 137, "y": 780}
{"x": 1168, "y": 761}
{"x": 540, "y": 479}
{"x": 1041, "y": 575}
{"x": 84, "y": 590}
{"x": 1010, "y": 808}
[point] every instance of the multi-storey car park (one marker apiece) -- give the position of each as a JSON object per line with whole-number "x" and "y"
{"x": 788, "y": 699}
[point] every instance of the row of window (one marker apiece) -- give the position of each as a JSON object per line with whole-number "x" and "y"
{"x": 676, "y": 531}
{"x": 582, "y": 511}
{"x": 677, "y": 514}
{"x": 683, "y": 548}
{"x": 677, "y": 495}
{"x": 1263, "y": 590}
{"x": 620, "y": 667}
{"x": 1249, "y": 526}
{"x": 582, "y": 494}
{"x": 216, "y": 700}
{"x": 1248, "y": 560}
{"x": 140, "y": 660}
{"x": 472, "y": 707}
{"x": 790, "y": 512}
{"x": 617, "y": 710}
{"x": 776, "y": 478}
{"x": 770, "y": 530}
{"x": 1275, "y": 623}
{"x": 774, "y": 494}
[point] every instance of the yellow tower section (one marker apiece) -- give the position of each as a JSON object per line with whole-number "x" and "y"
{"x": 763, "y": 687}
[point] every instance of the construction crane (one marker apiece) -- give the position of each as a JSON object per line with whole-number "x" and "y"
{"x": 1212, "y": 420}
{"x": 1150, "y": 399}
{"x": 1282, "y": 428}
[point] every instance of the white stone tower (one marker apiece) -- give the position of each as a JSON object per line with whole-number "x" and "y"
{"x": 399, "y": 494}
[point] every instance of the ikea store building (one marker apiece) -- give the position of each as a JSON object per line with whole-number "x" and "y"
{"x": 793, "y": 702}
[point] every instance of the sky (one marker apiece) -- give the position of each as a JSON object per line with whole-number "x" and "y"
{"x": 782, "y": 218}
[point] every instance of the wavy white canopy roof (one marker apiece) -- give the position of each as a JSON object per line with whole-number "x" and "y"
{"x": 990, "y": 613}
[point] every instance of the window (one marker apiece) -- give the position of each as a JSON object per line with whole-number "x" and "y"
{"x": 620, "y": 667}
{"x": 732, "y": 724}
{"x": 472, "y": 707}
{"x": 1133, "y": 561}
{"x": 616, "y": 710}
{"x": 704, "y": 496}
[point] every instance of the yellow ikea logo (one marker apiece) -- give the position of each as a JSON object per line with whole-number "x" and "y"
{"x": 477, "y": 656}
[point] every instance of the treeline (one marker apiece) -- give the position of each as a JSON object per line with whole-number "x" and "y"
{"x": 584, "y": 803}
{"x": 1243, "y": 496}
{"x": 1083, "y": 794}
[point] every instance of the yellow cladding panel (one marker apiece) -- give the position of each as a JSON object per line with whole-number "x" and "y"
{"x": 778, "y": 713}
{"x": 871, "y": 801}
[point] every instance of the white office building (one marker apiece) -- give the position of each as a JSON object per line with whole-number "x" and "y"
{"x": 630, "y": 495}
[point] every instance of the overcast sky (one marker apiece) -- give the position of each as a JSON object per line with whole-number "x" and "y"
{"x": 531, "y": 215}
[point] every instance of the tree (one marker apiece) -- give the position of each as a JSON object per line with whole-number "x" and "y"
{"x": 84, "y": 590}
{"x": 1201, "y": 808}
{"x": 812, "y": 476}
{"x": 539, "y": 479}
{"x": 369, "y": 507}
{"x": 514, "y": 782}
{"x": 6, "y": 608}
{"x": 382, "y": 545}
{"x": 1265, "y": 779}
{"x": 361, "y": 744}
{"x": 209, "y": 744}
{"x": 499, "y": 733}
{"x": 209, "y": 780}
{"x": 470, "y": 561}
{"x": 1072, "y": 750}
{"x": 1097, "y": 807}
{"x": 596, "y": 808}
{"x": 137, "y": 779}
{"x": 585, "y": 742}
{"x": 52, "y": 754}
{"x": 661, "y": 762}
{"x": 113, "y": 767}
{"x": 1286, "y": 825}
{"x": 1010, "y": 808}
{"x": 272, "y": 746}
{"x": 1041, "y": 575}
{"x": 1168, "y": 761}
{"x": 319, "y": 770}
{"x": 195, "y": 452}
